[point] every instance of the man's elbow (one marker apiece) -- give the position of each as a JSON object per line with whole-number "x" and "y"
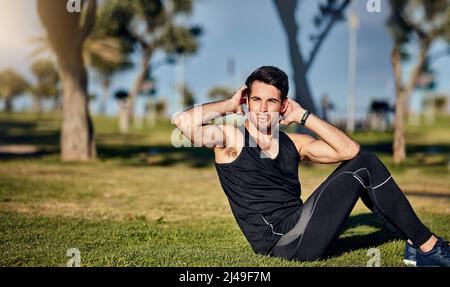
{"x": 181, "y": 121}
{"x": 352, "y": 151}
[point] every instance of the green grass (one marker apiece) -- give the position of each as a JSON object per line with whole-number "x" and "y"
{"x": 145, "y": 203}
{"x": 43, "y": 241}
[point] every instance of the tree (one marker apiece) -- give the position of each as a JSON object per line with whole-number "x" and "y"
{"x": 413, "y": 23}
{"x": 331, "y": 12}
{"x": 11, "y": 84}
{"x": 188, "y": 99}
{"x": 47, "y": 79}
{"x": 107, "y": 47}
{"x": 67, "y": 33}
{"x": 121, "y": 97}
{"x": 154, "y": 109}
{"x": 113, "y": 18}
{"x": 220, "y": 93}
{"x": 160, "y": 108}
{"x": 155, "y": 28}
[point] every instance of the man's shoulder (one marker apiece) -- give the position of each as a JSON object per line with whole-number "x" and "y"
{"x": 300, "y": 139}
{"x": 232, "y": 146}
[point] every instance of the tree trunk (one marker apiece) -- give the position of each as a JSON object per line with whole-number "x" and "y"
{"x": 106, "y": 83}
{"x": 77, "y": 135}
{"x": 398, "y": 146}
{"x": 286, "y": 11}
{"x": 145, "y": 61}
{"x": 66, "y": 33}
{"x": 416, "y": 73}
{"x": 403, "y": 96}
{"x": 123, "y": 122}
{"x": 8, "y": 104}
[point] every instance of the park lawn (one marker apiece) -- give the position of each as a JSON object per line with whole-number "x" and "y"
{"x": 145, "y": 203}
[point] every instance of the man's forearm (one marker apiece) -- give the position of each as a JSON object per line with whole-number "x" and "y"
{"x": 333, "y": 136}
{"x": 203, "y": 114}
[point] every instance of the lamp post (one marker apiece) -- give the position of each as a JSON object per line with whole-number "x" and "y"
{"x": 353, "y": 23}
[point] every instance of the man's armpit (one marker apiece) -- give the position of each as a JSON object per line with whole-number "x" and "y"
{"x": 231, "y": 152}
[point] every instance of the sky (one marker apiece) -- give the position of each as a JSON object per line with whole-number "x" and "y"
{"x": 250, "y": 33}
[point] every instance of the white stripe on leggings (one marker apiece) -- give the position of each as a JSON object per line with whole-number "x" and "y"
{"x": 382, "y": 182}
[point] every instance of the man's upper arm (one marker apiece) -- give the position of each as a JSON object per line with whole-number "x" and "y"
{"x": 314, "y": 150}
{"x": 210, "y": 136}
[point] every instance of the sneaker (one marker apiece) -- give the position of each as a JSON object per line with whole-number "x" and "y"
{"x": 410, "y": 254}
{"x": 439, "y": 256}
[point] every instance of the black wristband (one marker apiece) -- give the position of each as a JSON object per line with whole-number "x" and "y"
{"x": 305, "y": 117}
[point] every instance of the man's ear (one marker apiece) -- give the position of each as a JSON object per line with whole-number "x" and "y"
{"x": 284, "y": 106}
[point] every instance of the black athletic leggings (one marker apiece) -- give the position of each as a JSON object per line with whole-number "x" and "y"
{"x": 326, "y": 210}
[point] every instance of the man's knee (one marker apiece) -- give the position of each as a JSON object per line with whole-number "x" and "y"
{"x": 373, "y": 164}
{"x": 366, "y": 156}
{"x": 367, "y": 159}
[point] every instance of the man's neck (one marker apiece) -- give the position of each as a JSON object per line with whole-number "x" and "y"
{"x": 256, "y": 133}
{"x": 266, "y": 142}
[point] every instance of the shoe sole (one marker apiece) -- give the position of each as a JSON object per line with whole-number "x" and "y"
{"x": 409, "y": 262}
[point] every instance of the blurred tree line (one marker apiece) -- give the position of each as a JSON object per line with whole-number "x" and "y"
{"x": 104, "y": 36}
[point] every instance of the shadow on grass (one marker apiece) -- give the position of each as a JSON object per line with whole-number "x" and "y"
{"x": 158, "y": 155}
{"x": 385, "y": 147}
{"x": 354, "y": 242}
{"x": 7, "y": 125}
{"x": 25, "y": 155}
{"x": 26, "y": 132}
{"x": 24, "y": 141}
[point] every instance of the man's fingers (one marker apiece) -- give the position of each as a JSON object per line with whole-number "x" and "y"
{"x": 243, "y": 87}
{"x": 240, "y": 111}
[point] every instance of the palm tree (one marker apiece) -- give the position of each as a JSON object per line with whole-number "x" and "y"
{"x": 47, "y": 78}
{"x": 67, "y": 34}
{"x": 107, "y": 47}
{"x": 11, "y": 84}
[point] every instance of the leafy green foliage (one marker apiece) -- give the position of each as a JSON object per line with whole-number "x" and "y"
{"x": 220, "y": 93}
{"x": 47, "y": 78}
{"x": 12, "y": 83}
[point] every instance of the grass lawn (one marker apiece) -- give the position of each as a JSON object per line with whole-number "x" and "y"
{"x": 145, "y": 203}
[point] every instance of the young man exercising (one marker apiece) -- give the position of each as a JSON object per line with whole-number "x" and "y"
{"x": 257, "y": 167}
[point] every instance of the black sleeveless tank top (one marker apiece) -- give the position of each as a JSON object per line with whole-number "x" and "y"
{"x": 263, "y": 193}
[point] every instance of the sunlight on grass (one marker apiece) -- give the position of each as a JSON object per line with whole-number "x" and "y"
{"x": 146, "y": 203}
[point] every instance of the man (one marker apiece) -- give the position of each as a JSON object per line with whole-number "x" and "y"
{"x": 258, "y": 169}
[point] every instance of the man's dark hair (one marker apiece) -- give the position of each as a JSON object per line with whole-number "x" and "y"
{"x": 272, "y": 76}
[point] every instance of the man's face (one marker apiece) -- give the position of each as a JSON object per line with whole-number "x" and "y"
{"x": 264, "y": 106}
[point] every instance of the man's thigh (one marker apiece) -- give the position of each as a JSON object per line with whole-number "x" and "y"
{"x": 321, "y": 219}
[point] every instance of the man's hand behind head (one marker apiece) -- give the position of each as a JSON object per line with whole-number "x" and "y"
{"x": 292, "y": 112}
{"x": 238, "y": 99}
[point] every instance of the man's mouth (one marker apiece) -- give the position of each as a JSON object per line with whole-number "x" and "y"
{"x": 263, "y": 117}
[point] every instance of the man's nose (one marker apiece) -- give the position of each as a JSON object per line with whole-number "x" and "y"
{"x": 263, "y": 107}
